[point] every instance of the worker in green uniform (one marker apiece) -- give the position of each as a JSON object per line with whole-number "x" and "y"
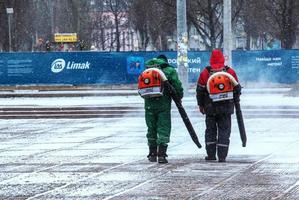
{"x": 158, "y": 112}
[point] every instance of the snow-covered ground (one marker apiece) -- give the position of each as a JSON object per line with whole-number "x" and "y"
{"x": 105, "y": 158}
{"x": 254, "y": 97}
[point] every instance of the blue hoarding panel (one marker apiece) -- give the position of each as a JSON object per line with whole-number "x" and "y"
{"x": 278, "y": 66}
{"x": 124, "y": 67}
{"x": 62, "y": 68}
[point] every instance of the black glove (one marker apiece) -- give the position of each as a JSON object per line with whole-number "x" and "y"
{"x": 237, "y": 89}
{"x": 237, "y": 92}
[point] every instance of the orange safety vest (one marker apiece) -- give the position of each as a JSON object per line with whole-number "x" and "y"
{"x": 150, "y": 84}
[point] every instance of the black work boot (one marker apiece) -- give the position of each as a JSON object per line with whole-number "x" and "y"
{"x": 152, "y": 156}
{"x": 222, "y": 153}
{"x": 162, "y": 154}
{"x": 211, "y": 152}
{"x": 208, "y": 158}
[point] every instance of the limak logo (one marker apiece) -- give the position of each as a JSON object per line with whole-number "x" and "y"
{"x": 59, "y": 64}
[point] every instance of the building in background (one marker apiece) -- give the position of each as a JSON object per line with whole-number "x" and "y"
{"x": 111, "y": 30}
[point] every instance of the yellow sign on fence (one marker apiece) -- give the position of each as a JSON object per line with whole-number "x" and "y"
{"x": 65, "y": 37}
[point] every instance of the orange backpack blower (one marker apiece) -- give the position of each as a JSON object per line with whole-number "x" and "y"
{"x": 150, "y": 83}
{"x": 220, "y": 86}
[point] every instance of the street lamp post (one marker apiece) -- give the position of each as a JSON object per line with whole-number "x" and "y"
{"x": 9, "y": 12}
{"x": 51, "y": 4}
{"x": 182, "y": 44}
{"x": 227, "y": 31}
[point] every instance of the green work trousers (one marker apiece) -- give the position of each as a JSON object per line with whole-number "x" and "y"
{"x": 158, "y": 122}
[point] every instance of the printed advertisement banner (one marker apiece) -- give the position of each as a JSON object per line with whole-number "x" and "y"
{"x": 75, "y": 68}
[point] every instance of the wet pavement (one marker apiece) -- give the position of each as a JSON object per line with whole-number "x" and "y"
{"x": 105, "y": 158}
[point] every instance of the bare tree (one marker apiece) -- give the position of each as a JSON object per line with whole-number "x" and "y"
{"x": 285, "y": 18}
{"x": 100, "y": 23}
{"x": 81, "y": 19}
{"x": 155, "y": 21}
{"x": 42, "y": 20}
{"x": 270, "y": 19}
{"x": 206, "y": 17}
{"x": 139, "y": 19}
{"x": 72, "y": 16}
{"x": 33, "y": 20}
{"x": 110, "y": 24}
{"x": 21, "y": 26}
{"x": 163, "y": 22}
{"x": 4, "y": 26}
{"x": 252, "y": 18}
{"x": 119, "y": 11}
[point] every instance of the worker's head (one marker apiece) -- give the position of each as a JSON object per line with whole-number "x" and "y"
{"x": 155, "y": 62}
{"x": 163, "y": 57}
{"x": 217, "y": 59}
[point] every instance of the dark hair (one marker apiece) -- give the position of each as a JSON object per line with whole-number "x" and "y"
{"x": 163, "y": 57}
